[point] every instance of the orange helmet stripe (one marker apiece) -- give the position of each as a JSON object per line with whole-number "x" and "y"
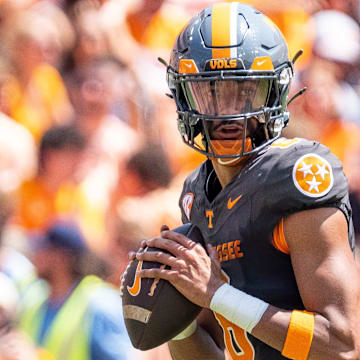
{"x": 220, "y": 28}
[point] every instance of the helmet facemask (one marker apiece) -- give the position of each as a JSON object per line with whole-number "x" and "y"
{"x": 230, "y": 114}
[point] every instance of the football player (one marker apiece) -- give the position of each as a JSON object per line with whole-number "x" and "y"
{"x": 278, "y": 274}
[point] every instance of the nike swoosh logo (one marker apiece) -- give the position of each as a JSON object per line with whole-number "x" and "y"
{"x": 231, "y": 203}
{"x": 259, "y": 63}
{"x": 136, "y": 286}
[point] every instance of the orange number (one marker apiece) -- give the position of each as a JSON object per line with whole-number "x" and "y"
{"x": 236, "y": 341}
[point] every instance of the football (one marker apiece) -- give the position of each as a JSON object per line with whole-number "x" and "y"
{"x": 154, "y": 311}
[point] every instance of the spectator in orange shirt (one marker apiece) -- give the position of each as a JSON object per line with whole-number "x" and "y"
{"x": 155, "y": 24}
{"x": 17, "y": 158}
{"x": 38, "y": 95}
{"x": 53, "y": 190}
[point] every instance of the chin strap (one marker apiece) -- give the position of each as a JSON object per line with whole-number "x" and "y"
{"x": 230, "y": 147}
{"x": 231, "y": 162}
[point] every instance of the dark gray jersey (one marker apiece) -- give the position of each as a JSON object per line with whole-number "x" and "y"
{"x": 289, "y": 176}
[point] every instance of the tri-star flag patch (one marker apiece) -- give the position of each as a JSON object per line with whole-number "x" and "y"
{"x": 313, "y": 175}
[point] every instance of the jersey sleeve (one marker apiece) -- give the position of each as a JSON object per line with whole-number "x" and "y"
{"x": 304, "y": 176}
{"x": 185, "y": 203}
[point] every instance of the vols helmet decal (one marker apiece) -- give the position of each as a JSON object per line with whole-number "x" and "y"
{"x": 313, "y": 175}
{"x": 188, "y": 66}
{"x": 187, "y": 202}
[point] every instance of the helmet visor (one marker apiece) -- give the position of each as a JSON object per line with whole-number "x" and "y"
{"x": 227, "y": 97}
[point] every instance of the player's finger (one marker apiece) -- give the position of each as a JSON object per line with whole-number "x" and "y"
{"x": 164, "y": 228}
{"x": 132, "y": 254}
{"x": 142, "y": 249}
{"x": 179, "y": 238}
{"x": 167, "y": 244}
{"x": 165, "y": 274}
{"x": 158, "y": 256}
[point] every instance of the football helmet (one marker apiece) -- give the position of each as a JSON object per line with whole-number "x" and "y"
{"x": 229, "y": 74}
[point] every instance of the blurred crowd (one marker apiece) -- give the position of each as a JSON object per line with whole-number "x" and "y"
{"x": 91, "y": 161}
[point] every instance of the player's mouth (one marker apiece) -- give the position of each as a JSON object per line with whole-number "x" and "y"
{"x": 227, "y": 131}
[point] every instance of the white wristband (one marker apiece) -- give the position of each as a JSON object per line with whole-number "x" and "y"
{"x": 238, "y": 307}
{"x": 187, "y": 332}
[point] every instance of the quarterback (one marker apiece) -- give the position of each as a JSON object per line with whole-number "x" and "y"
{"x": 278, "y": 278}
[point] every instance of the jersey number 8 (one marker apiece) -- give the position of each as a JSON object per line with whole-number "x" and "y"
{"x": 236, "y": 341}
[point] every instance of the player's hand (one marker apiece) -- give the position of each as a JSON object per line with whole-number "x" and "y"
{"x": 192, "y": 271}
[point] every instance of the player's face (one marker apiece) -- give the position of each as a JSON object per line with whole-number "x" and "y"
{"x": 228, "y": 97}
